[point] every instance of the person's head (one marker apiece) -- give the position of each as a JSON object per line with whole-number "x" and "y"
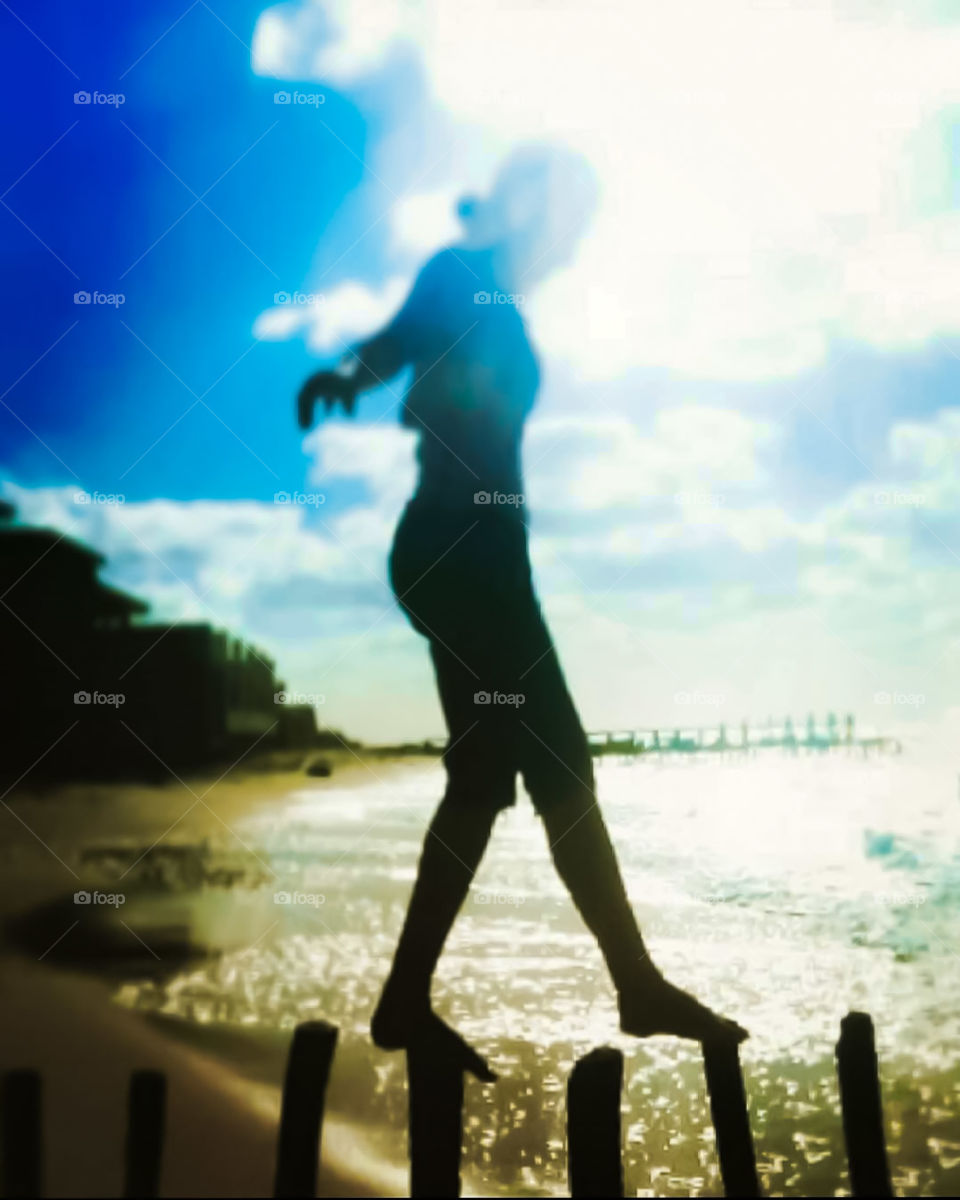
{"x": 541, "y": 201}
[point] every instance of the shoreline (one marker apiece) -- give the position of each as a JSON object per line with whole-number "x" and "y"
{"x": 521, "y": 978}
{"x": 46, "y": 825}
{"x": 221, "y": 1128}
{"x": 64, "y": 1019}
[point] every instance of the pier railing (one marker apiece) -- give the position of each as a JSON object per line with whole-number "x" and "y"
{"x": 436, "y": 1128}
{"x": 679, "y": 740}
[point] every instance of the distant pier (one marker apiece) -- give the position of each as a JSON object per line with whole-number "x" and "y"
{"x": 829, "y": 736}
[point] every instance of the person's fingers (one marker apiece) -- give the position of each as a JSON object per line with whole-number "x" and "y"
{"x": 328, "y": 388}
{"x": 304, "y": 408}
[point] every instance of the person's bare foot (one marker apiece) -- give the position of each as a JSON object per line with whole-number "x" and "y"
{"x": 654, "y": 1006}
{"x": 413, "y": 1025}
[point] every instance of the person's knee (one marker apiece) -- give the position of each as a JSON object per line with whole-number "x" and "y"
{"x": 563, "y": 794}
{"x": 486, "y": 795}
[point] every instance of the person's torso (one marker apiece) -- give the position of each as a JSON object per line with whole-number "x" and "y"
{"x": 474, "y": 383}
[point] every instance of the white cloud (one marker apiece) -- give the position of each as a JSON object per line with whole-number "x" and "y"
{"x": 330, "y": 321}
{"x": 774, "y": 175}
{"x": 646, "y": 595}
{"x": 336, "y": 40}
{"x": 693, "y": 456}
{"x": 423, "y": 221}
{"x": 379, "y": 456}
{"x": 927, "y": 453}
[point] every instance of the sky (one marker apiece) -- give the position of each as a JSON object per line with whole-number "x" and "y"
{"x": 741, "y": 469}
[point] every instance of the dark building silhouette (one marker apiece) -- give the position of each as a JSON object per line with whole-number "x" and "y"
{"x": 90, "y": 689}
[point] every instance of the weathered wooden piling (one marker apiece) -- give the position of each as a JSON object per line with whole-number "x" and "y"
{"x": 436, "y": 1091}
{"x": 436, "y": 1124}
{"x": 731, "y": 1121}
{"x": 862, "y": 1107}
{"x": 146, "y": 1119}
{"x": 21, "y": 1135}
{"x": 301, "y": 1114}
{"x": 594, "y": 1162}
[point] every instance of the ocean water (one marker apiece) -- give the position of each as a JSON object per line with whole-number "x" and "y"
{"x": 783, "y": 889}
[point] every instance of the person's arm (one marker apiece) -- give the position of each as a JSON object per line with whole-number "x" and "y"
{"x": 376, "y": 360}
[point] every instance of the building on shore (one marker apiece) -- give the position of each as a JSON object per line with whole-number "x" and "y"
{"x": 92, "y": 689}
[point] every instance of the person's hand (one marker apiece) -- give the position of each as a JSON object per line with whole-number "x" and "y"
{"x": 329, "y": 387}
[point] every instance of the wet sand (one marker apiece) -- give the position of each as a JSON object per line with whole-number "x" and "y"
{"x": 58, "y": 1014}
{"x": 220, "y": 1131}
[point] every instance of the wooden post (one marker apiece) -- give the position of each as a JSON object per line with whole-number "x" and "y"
{"x": 436, "y": 1124}
{"x": 146, "y": 1115}
{"x": 21, "y": 1139}
{"x": 595, "y": 1166}
{"x": 862, "y": 1107}
{"x": 301, "y": 1113}
{"x": 728, "y": 1107}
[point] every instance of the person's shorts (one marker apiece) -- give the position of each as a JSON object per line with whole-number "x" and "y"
{"x": 462, "y": 576}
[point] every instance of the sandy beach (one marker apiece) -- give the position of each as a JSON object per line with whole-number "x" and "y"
{"x": 221, "y": 1130}
{"x": 278, "y": 899}
{"x": 58, "y": 1012}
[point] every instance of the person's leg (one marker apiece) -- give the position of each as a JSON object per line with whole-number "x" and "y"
{"x": 558, "y": 772}
{"x": 587, "y": 863}
{"x": 481, "y": 783}
{"x": 452, "y": 849}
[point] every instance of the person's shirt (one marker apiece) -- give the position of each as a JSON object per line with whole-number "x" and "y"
{"x": 475, "y": 375}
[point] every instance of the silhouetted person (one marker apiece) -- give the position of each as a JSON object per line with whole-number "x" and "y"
{"x": 460, "y": 570}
